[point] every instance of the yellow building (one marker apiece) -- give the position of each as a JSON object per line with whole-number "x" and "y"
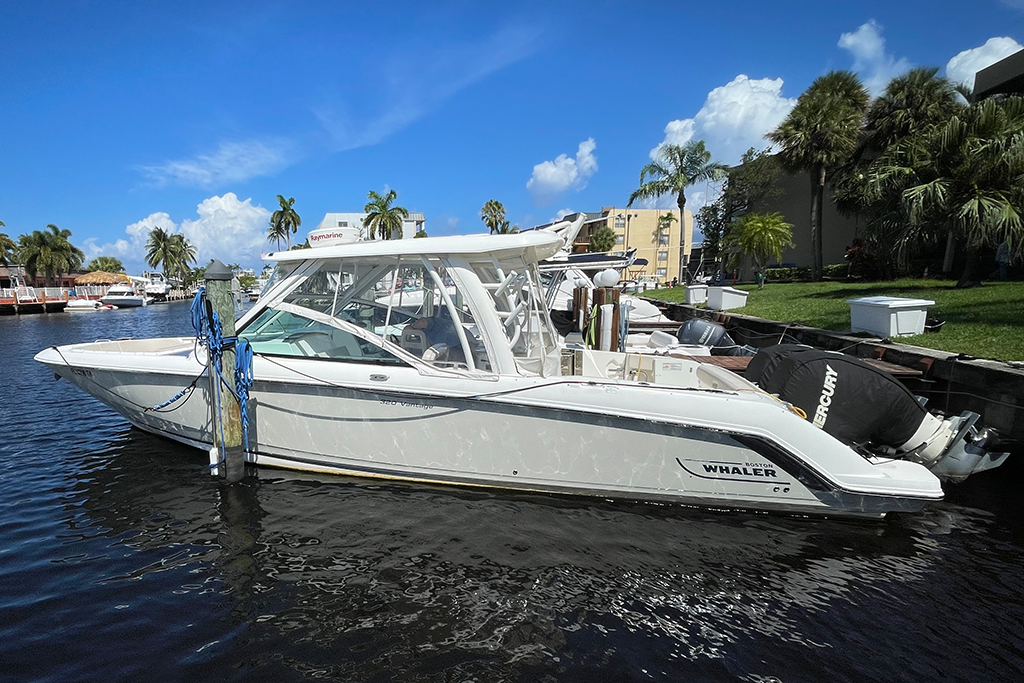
{"x": 665, "y": 245}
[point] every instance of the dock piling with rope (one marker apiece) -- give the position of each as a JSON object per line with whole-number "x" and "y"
{"x": 224, "y": 407}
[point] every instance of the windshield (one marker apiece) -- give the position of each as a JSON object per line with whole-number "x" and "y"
{"x": 371, "y": 310}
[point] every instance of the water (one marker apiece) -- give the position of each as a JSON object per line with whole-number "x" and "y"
{"x": 122, "y": 559}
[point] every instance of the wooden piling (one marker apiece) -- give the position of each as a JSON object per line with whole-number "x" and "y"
{"x": 227, "y": 419}
{"x": 607, "y": 295}
{"x": 580, "y": 309}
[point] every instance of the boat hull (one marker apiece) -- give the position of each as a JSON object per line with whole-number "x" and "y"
{"x": 506, "y": 434}
{"x": 124, "y": 301}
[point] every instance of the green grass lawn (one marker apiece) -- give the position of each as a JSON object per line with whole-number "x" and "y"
{"x": 985, "y": 321}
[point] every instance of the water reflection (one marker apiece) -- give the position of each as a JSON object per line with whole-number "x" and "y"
{"x": 348, "y": 579}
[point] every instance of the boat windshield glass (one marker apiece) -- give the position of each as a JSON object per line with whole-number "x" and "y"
{"x": 366, "y": 309}
{"x": 281, "y": 271}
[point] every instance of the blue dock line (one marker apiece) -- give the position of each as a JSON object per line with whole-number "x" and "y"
{"x": 209, "y": 333}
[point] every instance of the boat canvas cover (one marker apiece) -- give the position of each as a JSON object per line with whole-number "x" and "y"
{"x": 849, "y": 399}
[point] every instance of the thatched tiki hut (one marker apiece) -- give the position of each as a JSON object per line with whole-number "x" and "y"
{"x": 101, "y": 277}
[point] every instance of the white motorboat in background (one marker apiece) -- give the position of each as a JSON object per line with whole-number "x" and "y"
{"x": 85, "y": 305}
{"x": 125, "y": 295}
{"x": 564, "y": 271}
{"x": 474, "y": 388}
{"x": 155, "y": 286}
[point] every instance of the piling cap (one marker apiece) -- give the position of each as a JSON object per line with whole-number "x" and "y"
{"x": 217, "y": 271}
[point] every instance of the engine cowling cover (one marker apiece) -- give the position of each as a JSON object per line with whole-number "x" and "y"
{"x": 846, "y": 397}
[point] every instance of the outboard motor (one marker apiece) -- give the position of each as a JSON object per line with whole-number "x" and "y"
{"x": 861, "y": 405}
{"x": 713, "y": 335}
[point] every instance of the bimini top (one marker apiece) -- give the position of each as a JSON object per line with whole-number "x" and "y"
{"x": 534, "y": 246}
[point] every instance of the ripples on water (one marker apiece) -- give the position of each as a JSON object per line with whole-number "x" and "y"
{"x": 121, "y": 559}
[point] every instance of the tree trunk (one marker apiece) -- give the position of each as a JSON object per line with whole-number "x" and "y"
{"x": 684, "y": 275}
{"x": 947, "y": 259}
{"x": 817, "y": 190}
{"x": 969, "y": 278}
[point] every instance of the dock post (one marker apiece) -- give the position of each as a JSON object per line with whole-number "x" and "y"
{"x": 227, "y": 419}
{"x": 606, "y": 330}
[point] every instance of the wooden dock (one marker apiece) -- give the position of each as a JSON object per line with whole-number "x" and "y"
{"x": 11, "y": 306}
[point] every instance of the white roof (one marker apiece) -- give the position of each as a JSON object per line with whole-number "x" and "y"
{"x": 534, "y": 246}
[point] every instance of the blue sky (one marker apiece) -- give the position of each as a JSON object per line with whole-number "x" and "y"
{"x": 118, "y": 117}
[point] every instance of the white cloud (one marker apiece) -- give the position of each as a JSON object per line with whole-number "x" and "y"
{"x": 561, "y": 213}
{"x": 130, "y": 251}
{"x": 734, "y": 118}
{"x": 232, "y": 162}
{"x": 870, "y": 59}
{"x": 228, "y": 229}
{"x": 963, "y": 67}
{"x": 551, "y": 178}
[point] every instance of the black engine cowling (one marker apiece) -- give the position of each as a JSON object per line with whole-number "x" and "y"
{"x": 713, "y": 335}
{"x": 846, "y": 397}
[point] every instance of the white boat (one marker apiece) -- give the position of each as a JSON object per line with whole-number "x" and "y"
{"x": 125, "y": 295}
{"x": 474, "y": 389}
{"x": 81, "y": 305}
{"x": 564, "y": 271}
{"x": 155, "y": 285}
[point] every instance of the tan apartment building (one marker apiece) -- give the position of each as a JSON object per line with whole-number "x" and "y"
{"x": 665, "y": 251}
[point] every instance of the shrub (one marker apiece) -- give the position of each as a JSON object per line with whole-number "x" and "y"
{"x": 787, "y": 274}
{"x": 794, "y": 274}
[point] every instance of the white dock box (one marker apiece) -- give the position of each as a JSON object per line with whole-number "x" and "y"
{"x": 726, "y": 298}
{"x": 888, "y": 316}
{"x": 696, "y": 294}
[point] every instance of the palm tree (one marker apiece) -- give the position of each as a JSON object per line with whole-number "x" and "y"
{"x": 962, "y": 176}
{"x": 677, "y": 168}
{"x": 382, "y": 217}
{"x": 492, "y": 214}
{"x": 50, "y": 251}
{"x": 503, "y": 228}
{"x": 161, "y": 251}
{"x": 107, "y": 264}
{"x": 819, "y": 135}
{"x": 170, "y": 252}
{"x": 184, "y": 254}
{"x": 277, "y": 233}
{"x": 8, "y": 247}
{"x": 68, "y": 257}
{"x": 284, "y": 221}
{"x": 761, "y": 236}
{"x": 910, "y": 103}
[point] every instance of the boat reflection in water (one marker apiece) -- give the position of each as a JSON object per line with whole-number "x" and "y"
{"x": 295, "y": 574}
